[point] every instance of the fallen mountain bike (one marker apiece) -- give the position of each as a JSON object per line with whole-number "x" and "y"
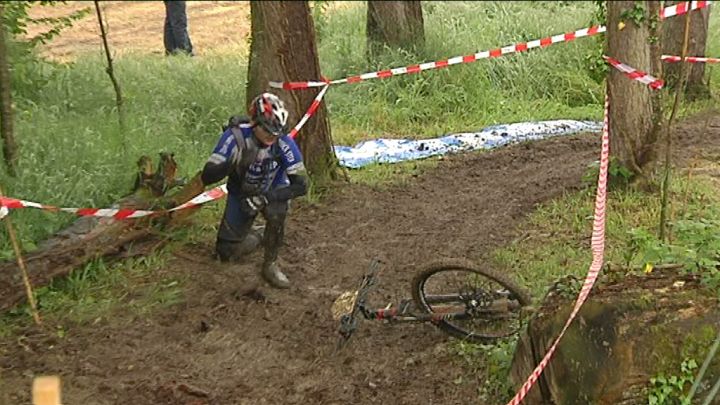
{"x": 464, "y": 301}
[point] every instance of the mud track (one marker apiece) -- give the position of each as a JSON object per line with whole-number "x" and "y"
{"x": 235, "y": 341}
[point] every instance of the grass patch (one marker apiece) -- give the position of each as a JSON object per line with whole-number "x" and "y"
{"x": 488, "y": 363}
{"x": 72, "y": 152}
{"x": 97, "y": 290}
{"x": 556, "y": 242}
{"x": 382, "y": 175}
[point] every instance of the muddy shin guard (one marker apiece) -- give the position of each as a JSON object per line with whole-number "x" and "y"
{"x": 273, "y": 238}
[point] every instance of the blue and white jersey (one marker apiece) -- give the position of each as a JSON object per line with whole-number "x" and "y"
{"x": 272, "y": 164}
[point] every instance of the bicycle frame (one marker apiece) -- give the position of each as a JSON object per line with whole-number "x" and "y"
{"x": 465, "y": 308}
{"x": 404, "y": 314}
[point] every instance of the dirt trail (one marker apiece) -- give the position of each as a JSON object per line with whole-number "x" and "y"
{"x": 221, "y": 347}
{"x": 137, "y": 26}
{"x": 280, "y": 351}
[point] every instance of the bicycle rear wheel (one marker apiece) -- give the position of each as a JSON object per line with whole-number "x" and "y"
{"x": 491, "y": 301}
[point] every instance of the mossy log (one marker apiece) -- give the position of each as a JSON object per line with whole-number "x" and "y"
{"x": 627, "y": 332}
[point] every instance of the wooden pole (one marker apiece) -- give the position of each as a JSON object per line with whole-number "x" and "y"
{"x": 23, "y": 269}
{"x": 46, "y": 391}
{"x": 109, "y": 69}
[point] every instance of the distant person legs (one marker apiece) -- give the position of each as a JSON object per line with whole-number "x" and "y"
{"x": 176, "y": 35}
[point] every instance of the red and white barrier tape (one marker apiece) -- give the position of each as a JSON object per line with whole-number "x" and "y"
{"x": 519, "y": 47}
{"x": 116, "y": 213}
{"x": 635, "y": 74}
{"x": 682, "y": 8}
{"x": 690, "y": 59}
{"x": 677, "y": 9}
{"x": 598, "y": 250}
{"x": 310, "y": 112}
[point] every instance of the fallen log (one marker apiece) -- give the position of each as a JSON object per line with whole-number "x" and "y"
{"x": 90, "y": 238}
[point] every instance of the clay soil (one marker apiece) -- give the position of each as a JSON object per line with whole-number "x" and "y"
{"x": 233, "y": 340}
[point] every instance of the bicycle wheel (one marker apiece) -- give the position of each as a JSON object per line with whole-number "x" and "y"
{"x": 457, "y": 286}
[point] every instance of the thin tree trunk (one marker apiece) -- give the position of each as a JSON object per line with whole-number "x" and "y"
{"x": 672, "y": 37}
{"x": 6, "y": 108}
{"x": 283, "y": 48}
{"x": 109, "y": 69}
{"x": 635, "y": 112}
{"x": 668, "y": 135}
{"x": 397, "y": 24}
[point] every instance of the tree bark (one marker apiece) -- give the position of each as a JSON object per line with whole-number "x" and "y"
{"x": 283, "y": 48}
{"x": 397, "y": 24}
{"x": 6, "y": 108}
{"x": 672, "y": 41}
{"x": 635, "y": 109}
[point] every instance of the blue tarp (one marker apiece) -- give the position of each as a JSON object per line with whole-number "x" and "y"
{"x": 398, "y": 150}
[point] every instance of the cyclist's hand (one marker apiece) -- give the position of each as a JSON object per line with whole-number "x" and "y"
{"x": 253, "y": 204}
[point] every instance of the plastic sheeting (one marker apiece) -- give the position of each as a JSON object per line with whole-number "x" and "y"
{"x": 398, "y": 150}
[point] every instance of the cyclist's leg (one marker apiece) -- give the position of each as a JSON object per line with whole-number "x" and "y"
{"x": 275, "y": 215}
{"x": 235, "y": 238}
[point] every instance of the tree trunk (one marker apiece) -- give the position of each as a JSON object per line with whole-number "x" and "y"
{"x": 282, "y": 48}
{"x": 672, "y": 42}
{"x": 635, "y": 109}
{"x": 6, "y": 108}
{"x": 397, "y": 24}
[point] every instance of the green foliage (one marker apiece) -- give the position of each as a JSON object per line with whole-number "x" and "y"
{"x": 669, "y": 390}
{"x": 16, "y": 19}
{"x": 539, "y": 260}
{"x": 318, "y": 8}
{"x": 635, "y": 14}
{"x": 618, "y": 175}
{"x": 538, "y": 84}
{"x": 492, "y": 362}
{"x": 696, "y": 245}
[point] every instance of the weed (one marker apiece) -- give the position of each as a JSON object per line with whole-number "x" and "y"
{"x": 667, "y": 390}
{"x": 492, "y": 361}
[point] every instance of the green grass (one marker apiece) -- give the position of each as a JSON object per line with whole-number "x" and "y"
{"x": 135, "y": 286}
{"x": 73, "y": 153}
{"x": 96, "y": 290}
{"x": 536, "y": 85}
{"x": 556, "y": 242}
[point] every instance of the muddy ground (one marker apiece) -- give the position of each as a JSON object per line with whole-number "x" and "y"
{"x": 222, "y": 347}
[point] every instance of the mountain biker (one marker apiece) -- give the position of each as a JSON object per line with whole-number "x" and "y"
{"x": 265, "y": 171}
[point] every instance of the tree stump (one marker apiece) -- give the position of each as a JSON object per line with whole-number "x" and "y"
{"x": 627, "y": 332}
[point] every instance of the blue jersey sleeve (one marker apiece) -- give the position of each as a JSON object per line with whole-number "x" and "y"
{"x": 290, "y": 155}
{"x": 225, "y": 150}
